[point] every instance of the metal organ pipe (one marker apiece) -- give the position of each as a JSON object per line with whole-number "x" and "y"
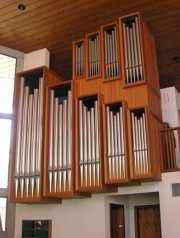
{"x": 28, "y": 145}
{"x": 89, "y": 147}
{"x": 64, "y": 142}
{"x": 85, "y": 143}
{"x": 81, "y": 139}
{"x": 51, "y": 113}
{"x": 34, "y": 140}
{"x": 23, "y": 139}
{"x": 19, "y": 123}
{"x": 93, "y": 146}
{"x": 60, "y": 138}
{"x": 97, "y": 138}
{"x": 55, "y": 142}
{"x": 39, "y": 135}
{"x": 108, "y": 141}
{"x": 69, "y": 141}
{"x": 138, "y": 47}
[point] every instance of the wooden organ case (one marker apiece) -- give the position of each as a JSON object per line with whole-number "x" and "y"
{"x": 96, "y": 132}
{"x": 120, "y": 65}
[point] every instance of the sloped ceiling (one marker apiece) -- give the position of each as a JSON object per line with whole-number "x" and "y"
{"x": 54, "y": 24}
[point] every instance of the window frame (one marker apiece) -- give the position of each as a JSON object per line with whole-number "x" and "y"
{"x": 10, "y": 207}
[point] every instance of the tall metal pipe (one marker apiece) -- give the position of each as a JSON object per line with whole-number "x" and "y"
{"x": 135, "y": 52}
{"x": 34, "y": 140}
{"x": 85, "y": 145}
{"x": 116, "y": 147}
{"x": 116, "y": 50}
{"x": 108, "y": 141}
{"x": 60, "y": 141}
{"x": 64, "y": 142}
{"x": 106, "y": 53}
{"x": 138, "y": 47}
{"x": 126, "y": 53}
{"x": 19, "y": 125}
{"x": 93, "y": 146}
{"x": 97, "y": 140}
{"x": 51, "y": 119}
{"x": 134, "y": 141}
{"x": 112, "y": 144}
{"x": 129, "y": 55}
{"x": 81, "y": 139}
{"x": 69, "y": 141}
{"x": 28, "y": 144}
{"x": 89, "y": 147}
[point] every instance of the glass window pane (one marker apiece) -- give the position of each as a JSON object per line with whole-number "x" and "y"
{"x": 5, "y": 130}
{"x": 3, "y": 202}
{"x": 7, "y": 75}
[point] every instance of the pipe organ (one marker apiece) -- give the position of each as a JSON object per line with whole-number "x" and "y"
{"x": 96, "y": 132}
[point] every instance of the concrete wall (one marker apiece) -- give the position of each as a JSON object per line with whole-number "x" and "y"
{"x": 169, "y": 206}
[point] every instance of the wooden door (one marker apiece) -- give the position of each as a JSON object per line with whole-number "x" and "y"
{"x": 117, "y": 221}
{"x": 147, "y": 221}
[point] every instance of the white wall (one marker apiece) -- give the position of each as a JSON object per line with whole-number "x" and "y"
{"x": 170, "y": 103}
{"x": 36, "y": 59}
{"x": 169, "y": 206}
{"x": 88, "y": 217}
{"x": 73, "y": 218}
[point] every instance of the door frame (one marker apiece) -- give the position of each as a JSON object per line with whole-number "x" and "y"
{"x": 114, "y": 205}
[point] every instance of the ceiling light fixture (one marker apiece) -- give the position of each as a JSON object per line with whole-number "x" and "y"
{"x": 21, "y": 7}
{"x": 176, "y": 58}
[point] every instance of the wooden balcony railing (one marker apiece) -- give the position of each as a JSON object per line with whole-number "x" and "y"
{"x": 170, "y": 138}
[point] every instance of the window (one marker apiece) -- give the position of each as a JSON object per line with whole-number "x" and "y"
{"x": 3, "y": 202}
{"x": 7, "y": 76}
